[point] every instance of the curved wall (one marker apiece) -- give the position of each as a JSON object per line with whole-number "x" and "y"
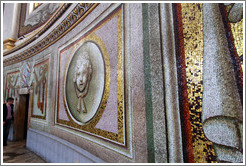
{"x": 110, "y": 133}
{"x": 124, "y": 83}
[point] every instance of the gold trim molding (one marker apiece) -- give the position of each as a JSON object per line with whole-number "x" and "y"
{"x": 80, "y": 11}
{"x": 42, "y": 29}
{"x": 90, "y": 127}
{"x": 9, "y": 43}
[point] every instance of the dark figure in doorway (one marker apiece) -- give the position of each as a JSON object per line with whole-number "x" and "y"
{"x": 8, "y": 116}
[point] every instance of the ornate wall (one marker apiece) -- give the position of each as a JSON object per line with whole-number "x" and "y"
{"x": 129, "y": 82}
{"x": 12, "y": 78}
{"x": 40, "y": 88}
{"x": 99, "y": 111}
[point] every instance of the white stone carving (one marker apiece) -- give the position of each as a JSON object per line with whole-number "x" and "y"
{"x": 82, "y": 78}
{"x": 84, "y": 82}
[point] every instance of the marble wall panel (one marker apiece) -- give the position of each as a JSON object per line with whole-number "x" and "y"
{"x": 94, "y": 106}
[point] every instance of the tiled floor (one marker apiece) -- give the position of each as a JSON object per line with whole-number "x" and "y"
{"x": 16, "y": 152}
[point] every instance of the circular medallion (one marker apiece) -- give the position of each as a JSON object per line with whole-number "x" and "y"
{"x": 84, "y": 82}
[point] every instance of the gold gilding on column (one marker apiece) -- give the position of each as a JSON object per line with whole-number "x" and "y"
{"x": 193, "y": 45}
{"x": 9, "y": 44}
{"x": 72, "y": 20}
{"x": 36, "y": 5}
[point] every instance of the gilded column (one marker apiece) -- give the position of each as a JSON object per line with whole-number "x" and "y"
{"x": 10, "y": 24}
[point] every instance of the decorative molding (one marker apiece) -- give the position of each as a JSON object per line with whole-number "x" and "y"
{"x": 188, "y": 155}
{"x": 76, "y": 16}
{"x": 9, "y": 43}
{"x": 57, "y": 15}
{"x": 90, "y": 127}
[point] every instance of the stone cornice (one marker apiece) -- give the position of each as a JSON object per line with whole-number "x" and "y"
{"x": 45, "y": 27}
{"x": 80, "y": 11}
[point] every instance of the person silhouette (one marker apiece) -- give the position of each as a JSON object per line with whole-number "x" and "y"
{"x": 8, "y": 116}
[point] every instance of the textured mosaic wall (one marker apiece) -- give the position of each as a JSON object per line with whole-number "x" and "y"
{"x": 40, "y": 87}
{"x": 193, "y": 47}
{"x": 237, "y": 31}
{"x": 98, "y": 110}
{"x": 12, "y": 81}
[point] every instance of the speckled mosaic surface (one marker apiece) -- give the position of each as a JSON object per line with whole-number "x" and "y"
{"x": 193, "y": 45}
{"x": 12, "y": 80}
{"x": 107, "y": 122}
{"x": 40, "y": 87}
{"x": 237, "y": 32}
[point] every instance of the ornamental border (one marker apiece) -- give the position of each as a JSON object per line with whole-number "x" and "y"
{"x": 52, "y": 20}
{"x": 80, "y": 11}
